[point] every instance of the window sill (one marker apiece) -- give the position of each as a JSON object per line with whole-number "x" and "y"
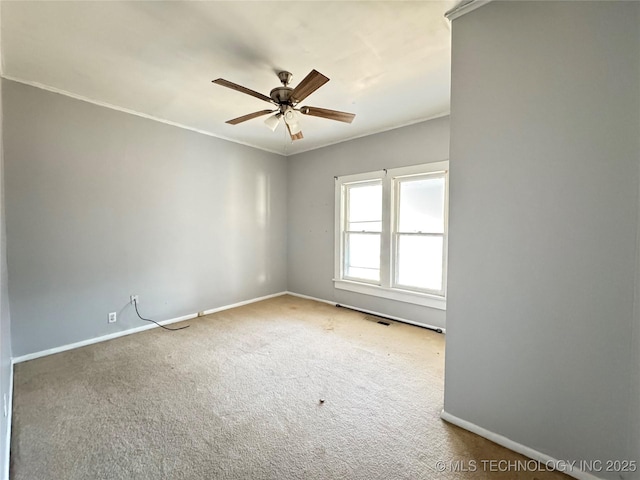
{"x": 406, "y": 296}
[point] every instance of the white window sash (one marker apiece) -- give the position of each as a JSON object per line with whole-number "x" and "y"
{"x": 410, "y": 174}
{"x": 387, "y": 287}
{"x": 345, "y": 220}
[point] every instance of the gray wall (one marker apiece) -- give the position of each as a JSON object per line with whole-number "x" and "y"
{"x": 103, "y": 204}
{"x": 311, "y": 209}
{"x": 5, "y": 321}
{"x": 544, "y": 215}
{"x": 634, "y": 434}
{"x": 634, "y": 421}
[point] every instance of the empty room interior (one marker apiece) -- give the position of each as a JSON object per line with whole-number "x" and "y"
{"x": 320, "y": 240}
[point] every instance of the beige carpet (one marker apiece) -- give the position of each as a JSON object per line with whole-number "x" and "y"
{"x": 237, "y": 396}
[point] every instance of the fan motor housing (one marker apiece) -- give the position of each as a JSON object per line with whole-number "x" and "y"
{"x": 281, "y": 95}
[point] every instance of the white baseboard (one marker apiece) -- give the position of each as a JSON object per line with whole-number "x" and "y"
{"x": 103, "y": 338}
{"x": 111, "y": 336}
{"x": 293, "y": 294}
{"x": 518, "y": 447}
{"x": 371, "y": 312}
{"x": 246, "y": 302}
{"x": 5, "y": 472}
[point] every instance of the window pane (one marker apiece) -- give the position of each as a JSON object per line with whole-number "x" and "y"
{"x": 420, "y": 261}
{"x": 365, "y": 207}
{"x": 362, "y": 259}
{"x": 422, "y": 205}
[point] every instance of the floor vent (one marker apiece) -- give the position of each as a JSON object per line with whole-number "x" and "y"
{"x": 376, "y": 319}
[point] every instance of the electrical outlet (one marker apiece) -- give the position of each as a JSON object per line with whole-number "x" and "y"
{"x": 113, "y": 317}
{"x": 135, "y": 299}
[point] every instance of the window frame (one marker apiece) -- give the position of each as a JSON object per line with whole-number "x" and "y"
{"x": 395, "y": 234}
{"x": 387, "y": 287}
{"x": 346, "y": 199}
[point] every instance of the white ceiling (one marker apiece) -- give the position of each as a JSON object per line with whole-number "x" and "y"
{"x": 389, "y": 62}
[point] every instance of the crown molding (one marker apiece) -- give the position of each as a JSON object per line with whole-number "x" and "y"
{"x": 464, "y": 7}
{"x": 111, "y": 106}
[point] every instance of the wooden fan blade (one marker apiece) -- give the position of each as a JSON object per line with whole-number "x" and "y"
{"x": 330, "y": 114}
{"x": 297, "y": 136}
{"x": 244, "y": 118}
{"x": 307, "y": 86}
{"x": 240, "y": 88}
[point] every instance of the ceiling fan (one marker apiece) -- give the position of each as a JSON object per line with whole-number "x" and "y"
{"x": 286, "y": 100}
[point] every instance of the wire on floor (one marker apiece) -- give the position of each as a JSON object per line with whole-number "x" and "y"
{"x": 135, "y": 304}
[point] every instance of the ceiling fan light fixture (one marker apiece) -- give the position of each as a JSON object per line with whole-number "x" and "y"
{"x": 291, "y": 118}
{"x": 285, "y": 98}
{"x": 273, "y": 121}
{"x": 294, "y": 128}
{"x": 289, "y": 115}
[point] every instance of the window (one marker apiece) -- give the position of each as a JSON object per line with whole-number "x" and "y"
{"x": 391, "y": 233}
{"x": 362, "y": 230}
